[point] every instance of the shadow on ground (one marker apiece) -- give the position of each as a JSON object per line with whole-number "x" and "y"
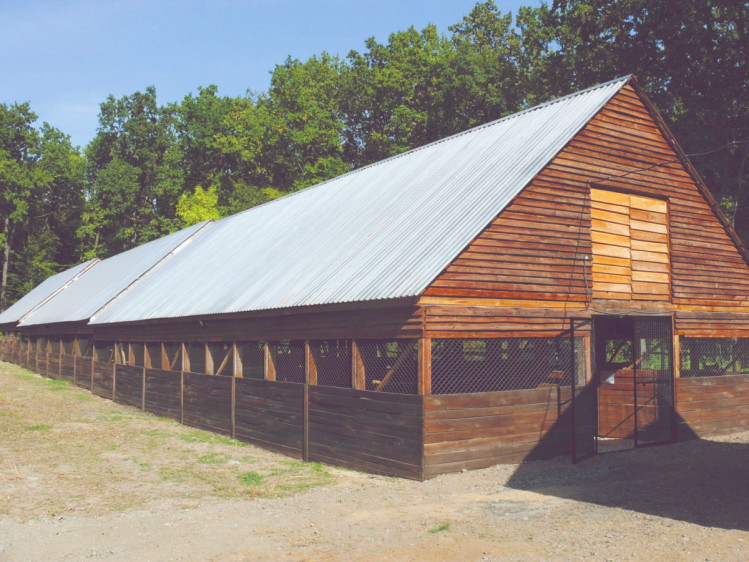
{"x": 700, "y": 481}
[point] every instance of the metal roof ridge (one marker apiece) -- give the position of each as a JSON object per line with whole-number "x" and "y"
{"x": 166, "y": 256}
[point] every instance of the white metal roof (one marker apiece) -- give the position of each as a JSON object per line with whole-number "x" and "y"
{"x": 43, "y": 292}
{"x": 381, "y": 232}
{"x": 105, "y": 280}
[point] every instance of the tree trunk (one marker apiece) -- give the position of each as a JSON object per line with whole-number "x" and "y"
{"x": 6, "y": 258}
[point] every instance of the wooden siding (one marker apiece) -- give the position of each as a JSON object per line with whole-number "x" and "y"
{"x": 129, "y": 385}
{"x": 481, "y": 430}
{"x": 207, "y": 402}
{"x": 67, "y": 367}
{"x": 270, "y": 414}
{"x": 712, "y": 405}
{"x": 532, "y": 254}
{"x": 376, "y": 432}
{"x": 163, "y": 393}
{"x": 103, "y": 381}
{"x": 365, "y": 322}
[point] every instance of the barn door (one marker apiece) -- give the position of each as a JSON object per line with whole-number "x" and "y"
{"x": 583, "y": 409}
{"x": 653, "y": 381}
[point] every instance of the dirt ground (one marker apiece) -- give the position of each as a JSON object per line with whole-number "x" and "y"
{"x": 84, "y": 478}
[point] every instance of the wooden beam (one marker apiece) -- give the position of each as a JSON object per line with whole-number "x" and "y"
{"x": 270, "y": 365}
{"x": 310, "y": 368}
{"x": 238, "y": 373}
{"x": 425, "y": 366}
{"x": 208, "y": 360}
{"x": 229, "y": 353}
{"x": 358, "y": 376}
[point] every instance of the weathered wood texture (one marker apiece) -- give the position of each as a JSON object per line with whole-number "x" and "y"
{"x": 53, "y": 365}
{"x": 270, "y": 414}
{"x": 207, "y": 402}
{"x": 344, "y": 324}
{"x": 533, "y": 251}
{"x": 67, "y": 367}
{"x": 372, "y": 431}
{"x": 471, "y": 322}
{"x": 163, "y": 393}
{"x": 103, "y": 380}
{"x": 480, "y": 430}
{"x": 129, "y": 385}
{"x": 712, "y": 405}
{"x": 712, "y": 324}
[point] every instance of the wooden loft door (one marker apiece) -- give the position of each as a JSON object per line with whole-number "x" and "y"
{"x": 630, "y": 239}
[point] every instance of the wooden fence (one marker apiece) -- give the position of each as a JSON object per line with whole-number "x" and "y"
{"x": 394, "y": 434}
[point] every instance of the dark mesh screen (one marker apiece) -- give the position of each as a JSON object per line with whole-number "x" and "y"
{"x": 333, "y": 362}
{"x": 713, "y": 357}
{"x": 390, "y": 366}
{"x": 288, "y": 359}
{"x": 223, "y": 358}
{"x": 252, "y": 358}
{"x": 485, "y": 365}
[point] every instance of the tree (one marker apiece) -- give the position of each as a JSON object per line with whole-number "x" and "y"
{"x": 18, "y": 153}
{"x": 199, "y": 206}
{"x": 134, "y": 179}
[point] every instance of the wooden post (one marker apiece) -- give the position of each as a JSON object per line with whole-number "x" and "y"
{"x": 59, "y": 360}
{"x": 114, "y": 381}
{"x": 425, "y": 366}
{"x": 677, "y": 357}
{"x": 358, "y": 378}
{"x": 184, "y": 362}
{"x": 236, "y": 362}
{"x": 93, "y": 357}
{"x": 310, "y": 368}
{"x": 270, "y": 366}
{"x": 233, "y": 406}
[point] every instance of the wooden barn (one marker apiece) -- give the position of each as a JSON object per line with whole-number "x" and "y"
{"x": 559, "y": 281}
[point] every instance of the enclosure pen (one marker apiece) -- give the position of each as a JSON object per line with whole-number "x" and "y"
{"x": 557, "y": 282}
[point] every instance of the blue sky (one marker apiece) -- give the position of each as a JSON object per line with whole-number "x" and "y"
{"x": 67, "y": 56}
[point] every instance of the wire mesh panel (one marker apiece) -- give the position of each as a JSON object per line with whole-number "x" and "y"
{"x": 654, "y": 381}
{"x": 66, "y": 344}
{"x": 288, "y": 360}
{"x": 137, "y": 352}
{"x": 390, "y": 366}
{"x": 104, "y": 351}
{"x": 154, "y": 355}
{"x": 485, "y": 365}
{"x": 42, "y": 345}
{"x": 196, "y": 357}
{"x": 85, "y": 345}
{"x": 54, "y": 344}
{"x": 713, "y": 357}
{"x": 173, "y": 353}
{"x": 251, "y": 357}
{"x": 333, "y": 362}
{"x": 222, "y": 354}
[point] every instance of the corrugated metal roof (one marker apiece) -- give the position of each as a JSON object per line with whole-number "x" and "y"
{"x": 43, "y": 292}
{"x": 381, "y": 232}
{"x": 107, "y": 279}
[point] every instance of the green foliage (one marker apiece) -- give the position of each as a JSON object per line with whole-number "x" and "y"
{"x": 199, "y": 206}
{"x": 250, "y": 478}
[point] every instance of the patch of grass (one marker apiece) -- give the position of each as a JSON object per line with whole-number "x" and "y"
{"x": 444, "y": 527}
{"x": 39, "y": 427}
{"x": 56, "y": 384}
{"x": 26, "y": 377}
{"x": 84, "y": 397}
{"x": 205, "y": 437}
{"x": 250, "y": 478}
{"x": 214, "y": 458}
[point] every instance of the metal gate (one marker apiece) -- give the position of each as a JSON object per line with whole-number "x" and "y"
{"x": 655, "y": 418}
{"x": 583, "y": 407}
